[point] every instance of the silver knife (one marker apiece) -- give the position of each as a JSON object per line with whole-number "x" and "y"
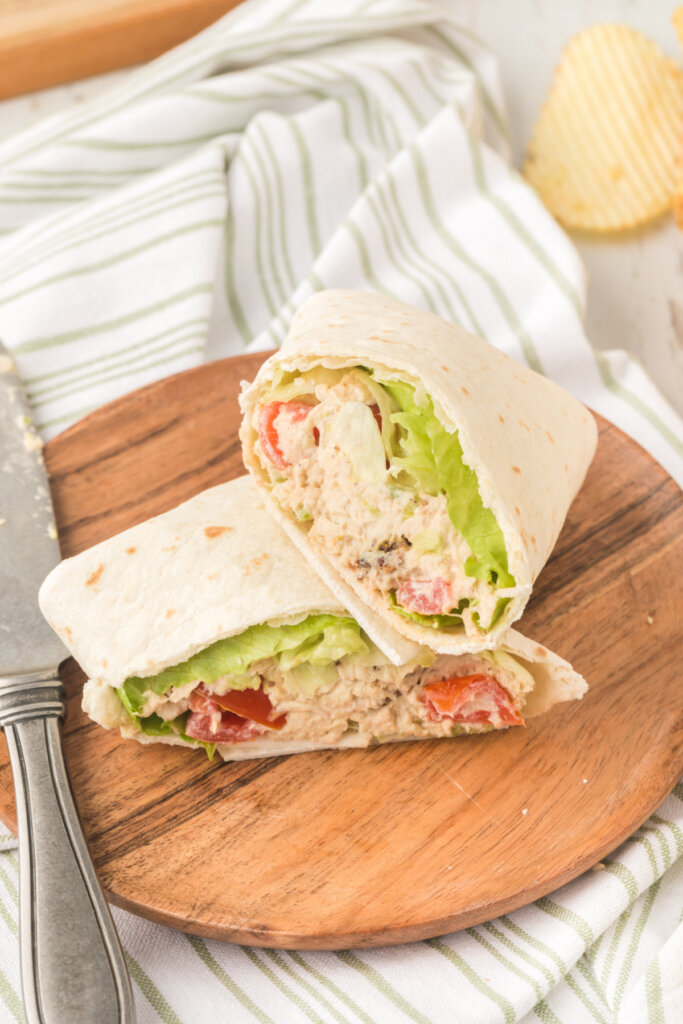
{"x": 72, "y": 967}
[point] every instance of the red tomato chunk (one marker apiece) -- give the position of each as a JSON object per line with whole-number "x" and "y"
{"x": 267, "y": 431}
{"x": 446, "y": 699}
{"x": 244, "y": 715}
{"x": 427, "y": 597}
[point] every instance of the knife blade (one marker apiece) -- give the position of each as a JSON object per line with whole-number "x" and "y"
{"x": 72, "y": 965}
{"x": 28, "y": 537}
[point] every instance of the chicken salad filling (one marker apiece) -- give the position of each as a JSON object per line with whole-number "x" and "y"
{"x": 316, "y": 680}
{"x": 382, "y": 489}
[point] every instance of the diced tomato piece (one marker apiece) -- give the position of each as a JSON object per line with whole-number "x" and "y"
{"x": 231, "y": 728}
{"x": 374, "y": 409}
{"x": 251, "y": 704}
{"x": 201, "y": 700}
{"x": 267, "y": 431}
{"x": 446, "y": 699}
{"x": 268, "y": 436}
{"x": 378, "y": 416}
{"x": 426, "y": 597}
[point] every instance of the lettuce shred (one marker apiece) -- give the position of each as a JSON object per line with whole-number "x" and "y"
{"x": 454, "y": 618}
{"x": 422, "y": 453}
{"x": 318, "y": 641}
{"x": 432, "y": 457}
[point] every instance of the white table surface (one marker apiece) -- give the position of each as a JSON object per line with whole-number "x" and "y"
{"x": 635, "y": 280}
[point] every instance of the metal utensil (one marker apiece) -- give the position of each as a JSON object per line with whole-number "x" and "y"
{"x": 72, "y": 966}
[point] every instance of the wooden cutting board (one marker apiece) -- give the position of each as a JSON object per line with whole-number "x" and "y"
{"x": 46, "y": 42}
{"x": 361, "y": 848}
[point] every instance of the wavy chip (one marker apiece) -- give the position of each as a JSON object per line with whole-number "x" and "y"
{"x": 678, "y": 205}
{"x": 604, "y": 153}
{"x": 677, "y": 19}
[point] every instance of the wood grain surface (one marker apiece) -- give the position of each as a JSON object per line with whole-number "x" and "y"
{"x": 363, "y": 848}
{"x": 46, "y": 42}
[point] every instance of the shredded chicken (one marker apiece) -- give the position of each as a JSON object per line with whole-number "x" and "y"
{"x": 384, "y": 534}
{"x": 368, "y": 695}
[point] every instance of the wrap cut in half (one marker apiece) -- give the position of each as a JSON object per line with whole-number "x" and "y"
{"x": 424, "y": 474}
{"x": 206, "y": 627}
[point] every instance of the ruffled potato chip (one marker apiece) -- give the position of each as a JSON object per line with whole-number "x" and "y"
{"x": 678, "y": 24}
{"x": 604, "y": 153}
{"x": 678, "y": 205}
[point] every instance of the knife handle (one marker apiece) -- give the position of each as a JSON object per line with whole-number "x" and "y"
{"x": 72, "y": 966}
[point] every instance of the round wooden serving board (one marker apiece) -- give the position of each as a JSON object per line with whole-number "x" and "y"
{"x": 405, "y": 841}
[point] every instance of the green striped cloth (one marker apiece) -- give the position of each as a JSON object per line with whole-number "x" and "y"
{"x": 183, "y": 216}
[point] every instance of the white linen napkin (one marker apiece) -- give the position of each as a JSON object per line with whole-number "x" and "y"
{"x": 184, "y": 216}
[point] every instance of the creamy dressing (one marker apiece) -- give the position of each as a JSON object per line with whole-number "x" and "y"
{"x": 388, "y": 700}
{"x": 168, "y": 705}
{"x": 380, "y": 699}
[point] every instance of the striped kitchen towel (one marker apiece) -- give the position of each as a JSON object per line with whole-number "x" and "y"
{"x": 183, "y": 216}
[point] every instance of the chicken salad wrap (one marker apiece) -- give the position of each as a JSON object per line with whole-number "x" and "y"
{"x": 205, "y": 627}
{"x": 423, "y": 473}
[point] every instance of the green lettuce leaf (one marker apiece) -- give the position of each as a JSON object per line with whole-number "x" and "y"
{"x": 386, "y": 405}
{"x": 433, "y": 458}
{"x": 433, "y": 621}
{"x": 420, "y": 448}
{"x": 501, "y": 605}
{"x": 317, "y": 640}
{"x": 506, "y": 661}
{"x": 154, "y": 725}
{"x": 305, "y": 679}
{"x": 287, "y": 386}
{"x": 352, "y": 428}
{"x": 331, "y": 637}
{"x": 131, "y": 700}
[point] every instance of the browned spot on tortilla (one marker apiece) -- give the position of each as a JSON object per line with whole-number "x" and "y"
{"x": 516, "y": 469}
{"x": 550, "y": 437}
{"x": 566, "y": 468}
{"x": 501, "y": 418}
{"x": 525, "y": 425}
{"x": 104, "y": 662}
{"x": 446, "y": 369}
{"x": 94, "y": 577}
{"x": 213, "y": 576}
{"x": 171, "y": 547}
{"x": 539, "y": 651}
{"x": 533, "y": 541}
{"x": 464, "y": 389}
{"x": 131, "y": 550}
{"x": 216, "y": 531}
{"x": 255, "y": 563}
{"x": 170, "y": 612}
{"x": 517, "y": 511}
{"x": 67, "y": 633}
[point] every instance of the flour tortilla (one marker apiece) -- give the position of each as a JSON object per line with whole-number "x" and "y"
{"x": 158, "y": 593}
{"x": 529, "y": 442}
{"x": 556, "y": 681}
